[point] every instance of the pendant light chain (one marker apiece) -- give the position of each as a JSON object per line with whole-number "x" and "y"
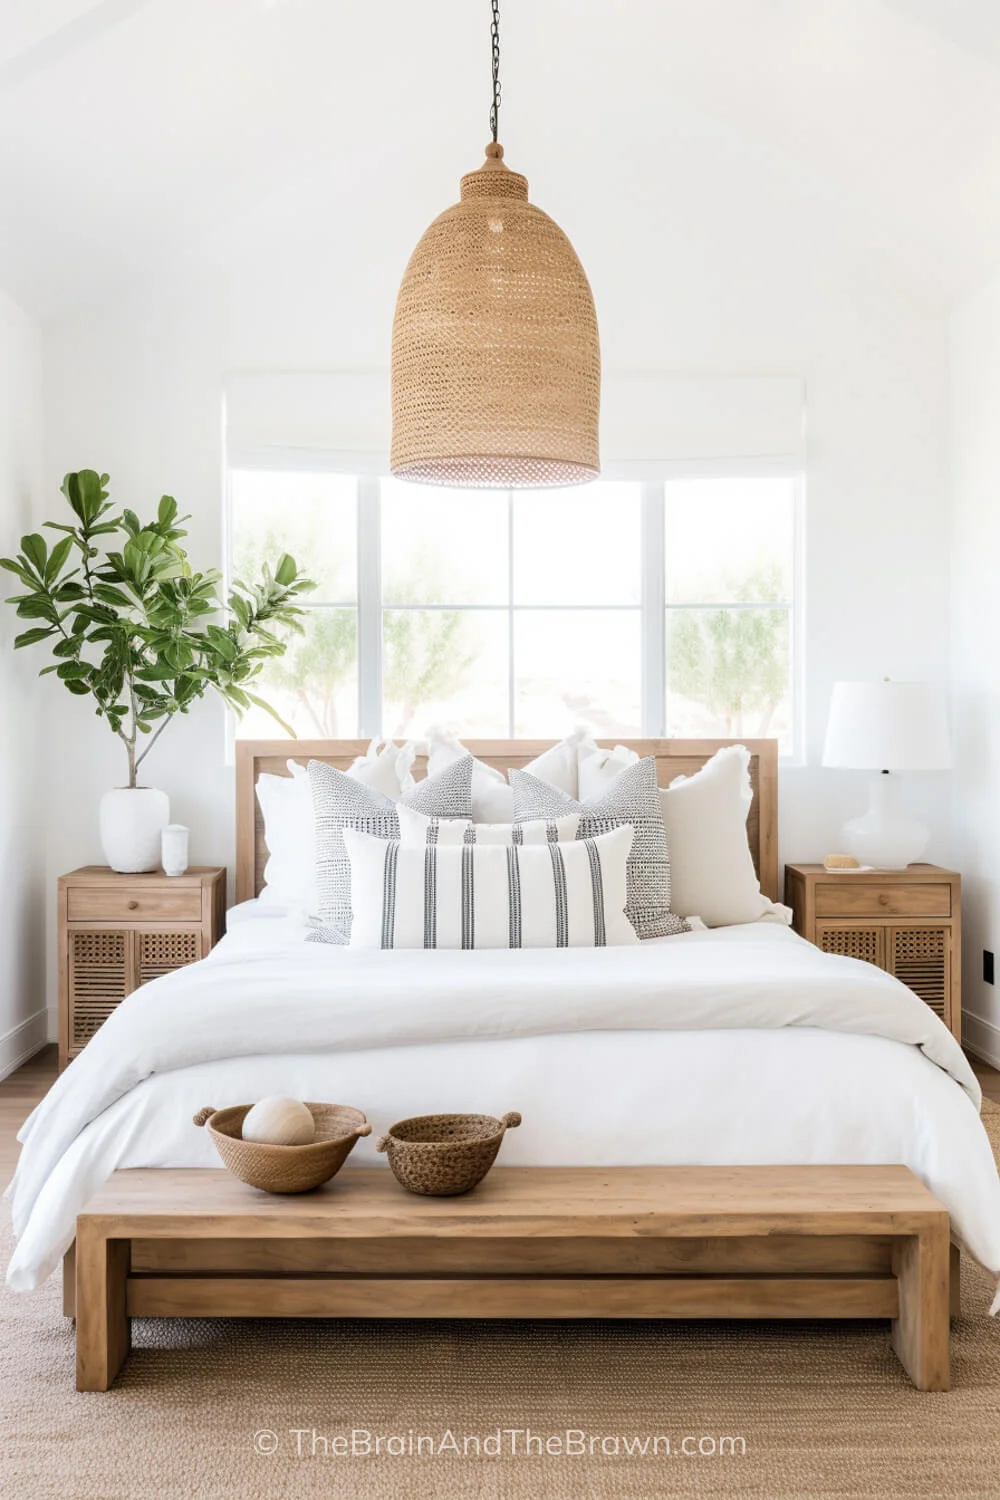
{"x": 496, "y": 362}
{"x": 495, "y": 45}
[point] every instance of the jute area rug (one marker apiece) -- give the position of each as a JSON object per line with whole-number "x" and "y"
{"x": 555, "y": 1410}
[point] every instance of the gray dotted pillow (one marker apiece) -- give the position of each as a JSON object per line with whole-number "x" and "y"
{"x": 633, "y": 797}
{"x": 340, "y": 802}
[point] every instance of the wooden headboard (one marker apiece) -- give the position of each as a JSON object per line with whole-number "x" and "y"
{"x": 673, "y": 758}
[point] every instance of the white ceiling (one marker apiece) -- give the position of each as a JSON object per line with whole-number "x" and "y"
{"x": 136, "y": 134}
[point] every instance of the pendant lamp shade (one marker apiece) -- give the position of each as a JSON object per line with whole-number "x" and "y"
{"x": 496, "y": 366}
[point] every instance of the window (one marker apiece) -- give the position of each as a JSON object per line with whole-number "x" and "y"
{"x": 633, "y": 608}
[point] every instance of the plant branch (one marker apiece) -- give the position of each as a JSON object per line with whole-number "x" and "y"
{"x": 152, "y": 740}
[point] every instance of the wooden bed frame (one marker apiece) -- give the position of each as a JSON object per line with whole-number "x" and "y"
{"x": 613, "y": 1242}
{"x": 673, "y": 758}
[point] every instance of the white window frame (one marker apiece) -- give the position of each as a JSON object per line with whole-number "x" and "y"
{"x": 652, "y": 606}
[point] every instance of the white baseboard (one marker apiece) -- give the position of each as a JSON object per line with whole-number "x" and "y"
{"x": 23, "y": 1041}
{"x": 981, "y": 1038}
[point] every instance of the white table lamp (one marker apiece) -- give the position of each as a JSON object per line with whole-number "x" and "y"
{"x": 885, "y": 727}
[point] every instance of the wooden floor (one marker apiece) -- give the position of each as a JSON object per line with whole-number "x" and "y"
{"x": 18, "y": 1096}
{"x": 22, "y": 1090}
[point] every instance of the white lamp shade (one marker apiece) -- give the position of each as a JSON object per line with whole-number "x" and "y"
{"x": 887, "y": 726}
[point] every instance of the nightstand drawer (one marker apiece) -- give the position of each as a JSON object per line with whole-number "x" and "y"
{"x": 97, "y": 903}
{"x": 889, "y": 900}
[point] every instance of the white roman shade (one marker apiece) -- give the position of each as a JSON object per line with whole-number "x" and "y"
{"x": 651, "y": 424}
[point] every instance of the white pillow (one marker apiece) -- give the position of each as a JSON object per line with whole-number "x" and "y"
{"x": 487, "y": 895}
{"x": 286, "y": 805}
{"x": 711, "y": 867}
{"x": 596, "y": 768}
{"x": 386, "y": 768}
{"x": 290, "y": 871}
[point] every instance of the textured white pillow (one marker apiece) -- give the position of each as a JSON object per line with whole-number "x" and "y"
{"x": 286, "y": 805}
{"x": 492, "y": 798}
{"x": 711, "y": 867}
{"x": 488, "y": 895}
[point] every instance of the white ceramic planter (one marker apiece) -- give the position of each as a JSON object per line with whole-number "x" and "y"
{"x": 132, "y": 820}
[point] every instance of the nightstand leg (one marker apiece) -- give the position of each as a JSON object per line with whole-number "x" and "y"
{"x": 103, "y": 1330}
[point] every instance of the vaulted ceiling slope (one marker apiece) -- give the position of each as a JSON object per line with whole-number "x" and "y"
{"x": 136, "y": 135}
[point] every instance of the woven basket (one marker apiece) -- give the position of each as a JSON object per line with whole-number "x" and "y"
{"x": 444, "y": 1155}
{"x": 285, "y": 1169}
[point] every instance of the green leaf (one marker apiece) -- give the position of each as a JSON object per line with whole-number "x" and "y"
{"x": 110, "y": 595}
{"x": 36, "y": 551}
{"x": 66, "y": 648}
{"x": 73, "y": 671}
{"x": 86, "y": 493}
{"x": 286, "y": 570}
{"x": 80, "y": 689}
{"x": 15, "y": 565}
{"x": 31, "y": 637}
{"x": 222, "y": 642}
{"x": 57, "y": 558}
{"x": 167, "y": 512}
{"x": 261, "y": 703}
{"x": 38, "y": 607}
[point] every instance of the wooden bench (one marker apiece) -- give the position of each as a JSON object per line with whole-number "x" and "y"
{"x": 545, "y": 1242}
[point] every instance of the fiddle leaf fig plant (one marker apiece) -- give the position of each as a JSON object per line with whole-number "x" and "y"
{"x": 130, "y": 623}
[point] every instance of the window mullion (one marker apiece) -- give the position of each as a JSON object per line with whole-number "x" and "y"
{"x": 654, "y": 649}
{"x": 369, "y": 606}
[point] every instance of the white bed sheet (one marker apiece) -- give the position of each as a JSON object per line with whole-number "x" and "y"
{"x": 789, "y": 1093}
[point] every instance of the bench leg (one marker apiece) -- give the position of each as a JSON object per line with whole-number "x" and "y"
{"x": 103, "y": 1331}
{"x": 69, "y": 1282}
{"x": 920, "y": 1333}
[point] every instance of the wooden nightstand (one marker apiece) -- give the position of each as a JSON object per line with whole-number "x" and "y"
{"x": 118, "y": 931}
{"x": 908, "y": 922}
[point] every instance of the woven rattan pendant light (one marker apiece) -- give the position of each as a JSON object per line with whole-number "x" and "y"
{"x": 496, "y": 366}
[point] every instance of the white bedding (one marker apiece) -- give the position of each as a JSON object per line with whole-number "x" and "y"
{"x": 735, "y": 1045}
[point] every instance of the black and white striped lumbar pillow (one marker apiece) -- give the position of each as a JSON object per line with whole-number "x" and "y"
{"x": 339, "y": 803}
{"x": 632, "y": 798}
{"x": 538, "y": 895}
{"x": 416, "y": 828}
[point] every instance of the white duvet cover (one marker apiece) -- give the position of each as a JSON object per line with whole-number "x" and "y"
{"x": 741, "y": 1044}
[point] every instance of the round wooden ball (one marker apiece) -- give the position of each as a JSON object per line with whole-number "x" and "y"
{"x": 276, "y": 1121}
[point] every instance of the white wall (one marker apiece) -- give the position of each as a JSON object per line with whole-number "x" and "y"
{"x": 22, "y": 832}
{"x": 731, "y": 262}
{"x": 976, "y": 649}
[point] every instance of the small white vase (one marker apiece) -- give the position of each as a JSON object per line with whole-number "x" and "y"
{"x": 174, "y": 849}
{"x": 132, "y": 820}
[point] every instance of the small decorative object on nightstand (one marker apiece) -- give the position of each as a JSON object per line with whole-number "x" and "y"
{"x": 908, "y": 922}
{"x": 118, "y": 931}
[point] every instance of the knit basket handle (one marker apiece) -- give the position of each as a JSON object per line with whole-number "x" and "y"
{"x": 382, "y": 1144}
{"x": 204, "y": 1115}
{"x": 511, "y": 1120}
{"x": 364, "y": 1129}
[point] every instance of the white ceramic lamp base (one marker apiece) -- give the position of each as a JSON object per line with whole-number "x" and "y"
{"x": 886, "y": 837}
